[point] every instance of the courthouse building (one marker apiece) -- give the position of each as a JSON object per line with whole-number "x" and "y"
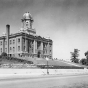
{"x": 26, "y": 42}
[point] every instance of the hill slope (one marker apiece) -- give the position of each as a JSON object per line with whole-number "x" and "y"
{"x": 40, "y": 63}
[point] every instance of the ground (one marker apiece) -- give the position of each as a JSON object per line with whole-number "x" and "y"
{"x": 57, "y": 81}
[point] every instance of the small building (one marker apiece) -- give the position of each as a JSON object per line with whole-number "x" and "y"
{"x": 26, "y": 42}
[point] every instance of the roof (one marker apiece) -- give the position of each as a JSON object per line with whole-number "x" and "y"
{"x": 36, "y": 37}
{"x": 27, "y": 16}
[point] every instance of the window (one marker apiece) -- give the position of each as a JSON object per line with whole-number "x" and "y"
{"x": 5, "y": 49}
{"x": 10, "y": 41}
{"x": 50, "y": 57}
{"x": 5, "y": 42}
{"x": 23, "y": 40}
{"x": 50, "y": 45}
{"x": 1, "y": 43}
{"x": 1, "y": 50}
{"x": 46, "y": 51}
{"x": 13, "y": 49}
{"x": 24, "y": 48}
{"x": 43, "y": 51}
{"x": 13, "y": 41}
{"x": 10, "y": 48}
{"x": 32, "y": 49}
{"x": 50, "y": 51}
{"x": 18, "y": 40}
{"x": 18, "y": 48}
{"x": 27, "y": 23}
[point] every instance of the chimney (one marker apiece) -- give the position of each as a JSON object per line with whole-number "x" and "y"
{"x": 7, "y": 37}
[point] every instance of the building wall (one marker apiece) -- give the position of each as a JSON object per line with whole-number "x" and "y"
{"x": 1, "y": 46}
{"x": 18, "y": 44}
{"x": 14, "y": 45}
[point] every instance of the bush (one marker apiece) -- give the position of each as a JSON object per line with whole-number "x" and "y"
{"x": 0, "y": 56}
{"x": 83, "y": 61}
{"x": 4, "y": 54}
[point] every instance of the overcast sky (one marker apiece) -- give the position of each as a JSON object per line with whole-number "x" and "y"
{"x": 64, "y": 21}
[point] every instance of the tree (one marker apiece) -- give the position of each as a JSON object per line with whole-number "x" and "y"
{"x": 86, "y": 54}
{"x": 83, "y": 61}
{"x": 74, "y": 56}
{"x": 4, "y": 54}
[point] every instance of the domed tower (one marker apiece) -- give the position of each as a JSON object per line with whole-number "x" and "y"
{"x": 27, "y": 22}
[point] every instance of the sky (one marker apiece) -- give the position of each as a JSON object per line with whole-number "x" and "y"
{"x": 64, "y": 21}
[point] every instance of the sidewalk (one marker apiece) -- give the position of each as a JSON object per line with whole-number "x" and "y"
{"x": 26, "y": 76}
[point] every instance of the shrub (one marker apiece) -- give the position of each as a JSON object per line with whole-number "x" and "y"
{"x": 0, "y": 56}
{"x": 4, "y": 54}
{"x": 83, "y": 61}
